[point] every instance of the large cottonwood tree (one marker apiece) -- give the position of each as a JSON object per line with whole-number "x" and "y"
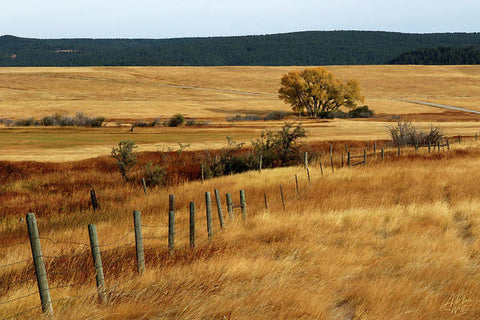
{"x": 315, "y": 91}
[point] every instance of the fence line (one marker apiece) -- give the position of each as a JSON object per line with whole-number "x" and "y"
{"x": 15, "y": 263}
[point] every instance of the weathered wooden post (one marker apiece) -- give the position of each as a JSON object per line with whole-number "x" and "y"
{"x": 230, "y": 206}
{"x": 171, "y": 222}
{"x": 308, "y": 175}
{"x": 382, "y": 154}
{"x": 40, "y": 270}
{"x": 321, "y": 168}
{"x": 139, "y": 242}
{"x": 349, "y": 163}
{"x": 306, "y": 160}
{"x": 331, "y": 161}
{"x": 265, "y": 199}
{"x": 202, "y": 173}
{"x": 296, "y": 184}
{"x": 283, "y": 199}
{"x": 93, "y": 197}
{"x": 364, "y": 157}
{"x": 243, "y": 204}
{"x": 144, "y": 184}
{"x": 219, "y": 208}
{"x": 208, "y": 208}
{"x": 192, "y": 224}
{"x": 346, "y": 148}
{"x": 97, "y": 262}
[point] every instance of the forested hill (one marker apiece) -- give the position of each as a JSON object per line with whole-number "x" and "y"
{"x": 439, "y": 56}
{"x": 299, "y": 48}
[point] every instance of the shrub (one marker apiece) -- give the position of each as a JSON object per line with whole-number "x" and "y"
{"x": 155, "y": 175}
{"x": 405, "y": 133}
{"x": 247, "y": 117}
{"x": 28, "y": 122}
{"x": 193, "y": 123}
{"x": 126, "y": 158}
{"x": 276, "y": 115}
{"x": 176, "y": 120}
{"x": 361, "y": 112}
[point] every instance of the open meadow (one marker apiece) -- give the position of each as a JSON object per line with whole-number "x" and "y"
{"x": 396, "y": 237}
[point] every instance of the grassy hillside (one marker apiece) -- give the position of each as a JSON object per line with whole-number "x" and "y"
{"x": 395, "y": 240}
{"x": 300, "y": 48}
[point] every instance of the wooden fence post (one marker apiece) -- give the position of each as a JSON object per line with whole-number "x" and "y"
{"x": 281, "y": 195}
{"x": 208, "y": 209}
{"x": 144, "y": 184}
{"x": 171, "y": 222}
{"x": 321, "y": 167}
{"x": 382, "y": 154}
{"x": 40, "y": 271}
{"x": 192, "y": 224}
{"x": 139, "y": 242}
{"x": 296, "y": 184}
{"x": 349, "y": 163}
{"x": 308, "y": 175}
{"x": 202, "y": 173}
{"x": 97, "y": 261}
{"x": 331, "y": 161}
{"x": 260, "y": 162}
{"x": 230, "y": 206}
{"x": 364, "y": 157}
{"x": 416, "y": 147}
{"x": 306, "y": 160}
{"x": 448, "y": 144}
{"x": 219, "y": 208}
{"x": 93, "y": 197}
{"x": 342, "y": 160}
{"x": 243, "y": 204}
{"x": 265, "y": 199}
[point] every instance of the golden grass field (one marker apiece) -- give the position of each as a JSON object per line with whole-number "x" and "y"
{"x": 127, "y": 94}
{"x": 396, "y": 239}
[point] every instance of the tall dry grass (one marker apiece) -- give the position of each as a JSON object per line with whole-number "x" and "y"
{"x": 397, "y": 239}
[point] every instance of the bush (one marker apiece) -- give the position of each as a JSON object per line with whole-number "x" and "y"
{"x": 276, "y": 115}
{"x": 155, "y": 175}
{"x": 247, "y": 117}
{"x": 405, "y": 133}
{"x": 80, "y": 120}
{"x": 126, "y": 158}
{"x": 176, "y": 120}
{"x": 193, "y": 123}
{"x": 361, "y": 112}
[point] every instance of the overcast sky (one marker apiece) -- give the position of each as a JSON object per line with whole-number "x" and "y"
{"x": 193, "y": 18}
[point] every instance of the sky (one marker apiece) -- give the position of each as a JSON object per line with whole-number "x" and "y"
{"x": 201, "y": 18}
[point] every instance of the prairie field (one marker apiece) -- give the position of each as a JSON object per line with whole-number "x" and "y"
{"x": 397, "y": 238}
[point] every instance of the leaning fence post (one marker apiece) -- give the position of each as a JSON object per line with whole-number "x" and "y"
{"x": 308, "y": 175}
{"x": 243, "y": 204}
{"x": 283, "y": 199}
{"x": 296, "y": 184}
{"x": 265, "y": 200}
{"x": 230, "y": 206}
{"x": 192, "y": 224}
{"x": 139, "y": 242}
{"x": 144, "y": 184}
{"x": 208, "y": 209}
{"x": 171, "y": 222}
{"x": 40, "y": 271}
{"x": 93, "y": 197}
{"x": 219, "y": 208}
{"x": 321, "y": 167}
{"x": 97, "y": 261}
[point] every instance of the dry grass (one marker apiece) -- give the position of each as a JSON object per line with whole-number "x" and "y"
{"x": 394, "y": 240}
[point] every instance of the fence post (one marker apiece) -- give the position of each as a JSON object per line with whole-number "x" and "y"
{"x": 219, "y": 208}
{"x": 202, "y": 172}
{"x": 97, "y": 261}
{"x": 192, "y": 224}
{"x": 93, "y": 197}
{"x": 342, "y": 159}
{"x": 296, "y": 184}
{"x": 416, "y": 147}
{"x": 139, "y": 242}
{"x": 382, "y": 154}
{"x": 260, "y": 164}
{"x": 459, "y": 139}
{"x": 230, "y": 206}
{"x": 375, "y": 149}
{"x": 321, "y": 167}
{"x": 308, "y": 175}
{"x": 349, "y": 163}
{"x": 364, "y": 157}
{"x": 171, "y": 222}
{"x": 243, "y": 204}
{"x": 306, "y": 160}
{"x": 331, "y": 161}
{"x": 40, "y": 271}
{"x": 208, "y": 208}
{"x": 144, "y": 184}
{"x": 448, "y": 144}
{"x": 346, "y": 148}
{"x": 281, "y": 195}
{"x": 265, "y": 199}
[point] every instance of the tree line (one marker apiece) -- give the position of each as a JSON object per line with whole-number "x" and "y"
{"x": 299, "y": 48}
{"x": 440, "y": 56}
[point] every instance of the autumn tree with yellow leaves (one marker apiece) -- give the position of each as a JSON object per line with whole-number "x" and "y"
{"x": 315, "y": 91}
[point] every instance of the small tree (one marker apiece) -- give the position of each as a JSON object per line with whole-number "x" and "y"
{"x": 317, "y": 92}
{"x": 126, "y": 158}
{"x": 176, "y": 120}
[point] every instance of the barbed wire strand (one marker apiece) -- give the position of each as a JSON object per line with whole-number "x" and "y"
{"x": 19, "y": 298}
{"x": 21, "y": 281}
{"x": 162, "y": 226}
{"x": 113, "y": 243}
{"x": 65, "y": 242}
{"x": 14, "y": 263}
{"x": 13, "y": 244}
{"x": 67, "y": 255}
